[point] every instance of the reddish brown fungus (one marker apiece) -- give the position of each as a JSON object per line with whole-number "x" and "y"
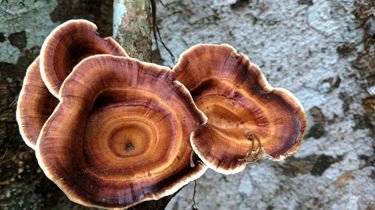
{"x": 67, "y": 45}
{"x": 235, "y": 96}
{"x": 120, "y": 134}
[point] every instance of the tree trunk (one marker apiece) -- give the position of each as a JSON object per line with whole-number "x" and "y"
{"x": 131, "y": 27}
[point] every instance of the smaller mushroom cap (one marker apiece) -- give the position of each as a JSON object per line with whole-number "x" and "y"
{"x": 67, "y": 45}
{"x": 35, "y": 105}
{"x": 121, "y": 134}
{"x": 247, "y": 118}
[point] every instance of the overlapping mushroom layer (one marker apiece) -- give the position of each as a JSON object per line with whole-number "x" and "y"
{"x": 241, "y": 107}
{"x": 67, "y": 45}
{"x": 120, "y": 134}
{"x": 35, "y": 105}
{"x": 62, "y": 50}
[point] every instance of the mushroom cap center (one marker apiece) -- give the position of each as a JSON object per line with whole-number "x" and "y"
{"x": 127, "y": 133}
{"x": 128, "y": 138}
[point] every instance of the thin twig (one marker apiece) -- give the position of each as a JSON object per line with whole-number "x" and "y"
{"x": 13, "y": 103}
{"x": 162, "y": 4}
{"x": 195, "y": 186}
{"x": 156, "y": 30}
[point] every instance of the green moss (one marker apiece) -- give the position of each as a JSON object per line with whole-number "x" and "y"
{"x": 145, "y": 29}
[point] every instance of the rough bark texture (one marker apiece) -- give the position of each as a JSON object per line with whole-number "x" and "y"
{"x": 131, "y": 27}
{"x": 323, "y": 52}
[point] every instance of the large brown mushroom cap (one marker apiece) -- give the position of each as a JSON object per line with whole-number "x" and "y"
{"x": 35, "y": 104}
{"x": 238, "y": 101}
{"x": 121, "y": 134}
{"x": 67, "y": 45}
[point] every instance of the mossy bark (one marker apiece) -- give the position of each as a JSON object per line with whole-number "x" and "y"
{"x": 132, "y": 29}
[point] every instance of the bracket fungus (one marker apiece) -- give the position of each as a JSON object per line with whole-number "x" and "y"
{"x": 62, "y": 50}
{"x": 67, "y": 45}
{"x": 120, "y": 134}
{"x": 247, "y": 118}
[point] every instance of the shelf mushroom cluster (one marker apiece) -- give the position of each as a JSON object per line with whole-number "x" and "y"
{"x": 112, "y": 131}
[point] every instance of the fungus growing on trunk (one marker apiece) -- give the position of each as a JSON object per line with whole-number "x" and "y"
{"x": 247, "y": 118}
{"x": 121, "y": 134}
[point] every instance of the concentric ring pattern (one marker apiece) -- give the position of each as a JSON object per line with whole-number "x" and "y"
{"x": 120, "y": 134}
{"x": 235, "y": 96}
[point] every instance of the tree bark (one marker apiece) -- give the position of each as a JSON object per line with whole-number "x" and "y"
{"x": 131, "y": 27}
